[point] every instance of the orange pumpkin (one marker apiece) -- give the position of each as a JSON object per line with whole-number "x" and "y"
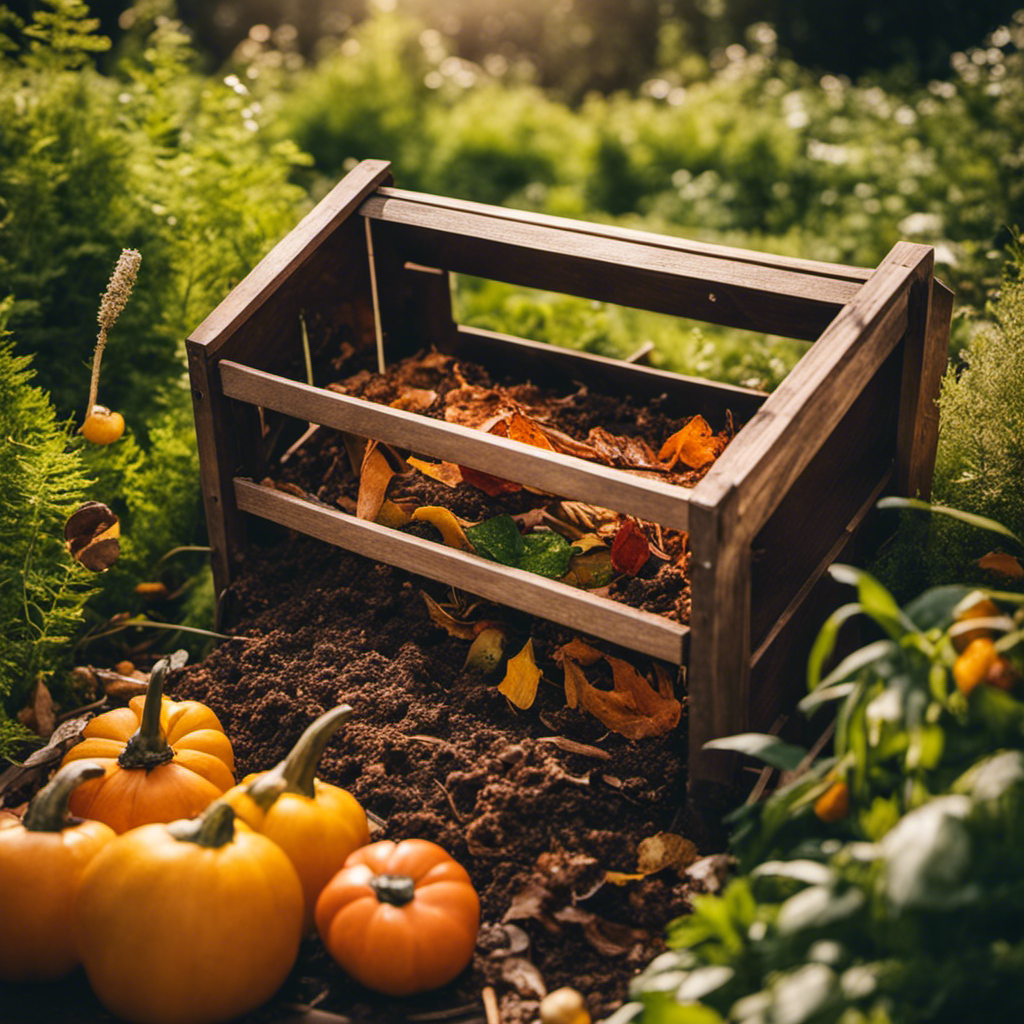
{"x": 316, "y": 824}
{"x": 41, "y": 861}
{"x": 162, "y": 760}
{"x": 400, "y": 917}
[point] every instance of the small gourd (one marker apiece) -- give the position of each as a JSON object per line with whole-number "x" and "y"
{"x": 400, "y": 917}
{"x": 102, "y": 426}
{"x": 192, "y": 922}
{"x": 316, "y": 824}
{"x": 162, "y": 760}
{"x": 41, "y": 861}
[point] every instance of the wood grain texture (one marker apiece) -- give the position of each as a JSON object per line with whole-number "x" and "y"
{"x": 548, "y": 365}
{"x": 815, "y": 268}
{"x": 563, "y": 475}
{"x": 627, "y": 273}
{"x": 776, "y": 446}
{"x": 271, "y": 273}
{"x": 578, "y": 610}
{"x": 924, "y": 367}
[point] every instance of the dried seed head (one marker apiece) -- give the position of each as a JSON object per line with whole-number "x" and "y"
{"x": 119, "y": 288}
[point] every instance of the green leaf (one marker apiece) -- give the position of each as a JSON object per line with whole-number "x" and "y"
{"x": 825, "y": 642}
{"x": 764, "y": 747}
{"x": 825, "y": 695}
{"x": 546, "y": 553}
{"x": 876, "y": 601}
{"x": 853, "y": 663}
{"x": 934, "y": 608}
{"x": 982, "y": 522}
{"x": 498, "y": 539}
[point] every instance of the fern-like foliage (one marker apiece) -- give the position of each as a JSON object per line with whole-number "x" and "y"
{"x": 42, "y": 590}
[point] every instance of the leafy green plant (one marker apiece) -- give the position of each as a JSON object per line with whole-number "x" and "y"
{"x": 42, "y": 589}
{"x": 901, "y": 902}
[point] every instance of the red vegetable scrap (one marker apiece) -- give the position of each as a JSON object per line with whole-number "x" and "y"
{"x": 630, "y": 548}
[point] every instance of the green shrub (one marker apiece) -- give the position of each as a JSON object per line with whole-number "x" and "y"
{"x": 42, "y": 589}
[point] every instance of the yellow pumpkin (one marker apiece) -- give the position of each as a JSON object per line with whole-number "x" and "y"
{"x": 316, "y": 824}
{"x": 41, "y": 861}
{"x": 400, "y": 917}
{"x": 162, "y": 760}
{"x": 192, "y": 922}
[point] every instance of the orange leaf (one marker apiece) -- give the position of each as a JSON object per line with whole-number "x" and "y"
{"x": 578, "y": 651}
{"x": 630, "y": 548}
{"x": 451, "y": 528}
{"x": 521, "y": 428}
{"x": 1003, "y": 564}
{"x": 522, "y": 677}
{"x": 490, "y": 485}
{"x": 694, "y": 445}
{"x": 374, "y": 477}
{"x": 445, "y": 472}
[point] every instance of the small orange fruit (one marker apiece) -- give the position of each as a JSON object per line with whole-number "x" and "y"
{"x": 102, "y": 426}
{"x": 983, "y": 608}
{"x": 972, "y": 667}
{"x": 834, "y": 804}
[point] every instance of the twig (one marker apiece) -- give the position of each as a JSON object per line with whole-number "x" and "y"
{"x": 490, "y": 999}
{"x": 461, "y": 818}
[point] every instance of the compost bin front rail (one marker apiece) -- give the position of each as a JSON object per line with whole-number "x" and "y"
{"x": 370, "y": 268}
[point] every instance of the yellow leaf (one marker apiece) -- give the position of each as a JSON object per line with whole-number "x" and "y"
{"x": 451, "y": 528}
{"x": 522, "y": 677}
{"x": 391, "y": 514}
{"x": 665, "y": 850}
{"x": 374, "y": 477}
{"x": 622, "y": 877}
{"x": 446, "y": 473}
{"x": 486, "y": 651}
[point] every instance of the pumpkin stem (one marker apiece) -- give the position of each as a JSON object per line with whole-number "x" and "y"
{"x": 48, "y": 809}
{"x": 295, "y": 774}
{"x": 148, "y": 748}
{"x": 394, "y": 889}
{"x": 214, "y": 828}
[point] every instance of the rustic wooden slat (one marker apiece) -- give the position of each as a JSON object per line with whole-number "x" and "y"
{"x": 777, "y": 444}
{"x": 718, "y": 675}
{"x": 563, "y": 475}
{"x": 597, "y": 616}
{"x": 542, "y": 363}
{"x": 290, "y": 253}
{"x": 924, "y": 365}
{"x": 628, "y": 273}
{"x": 816, "y": 268}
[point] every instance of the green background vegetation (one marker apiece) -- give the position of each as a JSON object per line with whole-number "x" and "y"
{"x": 201, "y": 143}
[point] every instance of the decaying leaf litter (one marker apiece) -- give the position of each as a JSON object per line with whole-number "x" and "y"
{"x": 570, "y": 831}
{"x": 639, "y": 563}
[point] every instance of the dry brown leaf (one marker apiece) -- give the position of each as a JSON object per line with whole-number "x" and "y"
{"x": 626, "y": 452}
{"x": 490, "y": 485}
{"x": 92, "y": 535}
{"x": 355, "y": 448}
{"x": 374, "y": 476}
{"x": 694, "y": 445}
{"x": 525, "y": 430}
{"x": 522, "y": 677}
{"x": 414, "y": 400}
{"x": 472, "y": 405}
{"x": 579, "y": 651}
{"x": 447, "y": 522}
{"x": 452, "y": 626}
{"x": 39, "y": 715}
{"x": 1003, "y": 564}
{"x": 607, "y": 937}
{"x": 528, "y": 903}
{"x": 573, "y": 747}
{"x": 446, "y": 473}
{"x": 524, "y": 977}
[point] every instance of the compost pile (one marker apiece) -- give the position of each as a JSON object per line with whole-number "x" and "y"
{"x": 547, "y": 808}
{"x": 640, "y": 564}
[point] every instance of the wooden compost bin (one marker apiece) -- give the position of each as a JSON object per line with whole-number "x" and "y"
{"x": 855, "y": 418}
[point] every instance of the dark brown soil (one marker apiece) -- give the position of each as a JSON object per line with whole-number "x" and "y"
{"x": 438, "y": 753}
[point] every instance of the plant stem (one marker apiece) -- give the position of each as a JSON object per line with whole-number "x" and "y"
{"x": 48, "y": 810}
{"x": 148, "y": 747}
{"x": 214, "y": 828}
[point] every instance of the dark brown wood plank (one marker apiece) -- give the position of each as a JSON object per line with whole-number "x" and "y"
{"x": 563, "y": 475}
{"x": 628, "y": 273}
{"x": 560, "y": 367}
{"x": 775, "y": 447}
{"x": 925, "y": 363}
{"x": 577, "y": 609}
{"x": 718, "y": 673}
{"x": 274, "y": 270}
{"x": 816, "y": 268}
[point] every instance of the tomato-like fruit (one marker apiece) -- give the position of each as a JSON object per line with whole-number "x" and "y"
{"x": 102, "y": 426}
{"x": 834, "y": 804}
{"x": 400, "y": 917}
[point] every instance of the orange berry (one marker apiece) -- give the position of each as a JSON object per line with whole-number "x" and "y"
{"x": 984, "y": 608}
{"x": 1001, "y": 674}
{"x": 973, "y": 665}
{"x": 102, "y": 426}
{"x": 834, "y": 804}
{"x": 125, "y": 668}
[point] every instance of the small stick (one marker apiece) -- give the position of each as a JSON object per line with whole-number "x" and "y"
{"x": 490, "y": 999}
